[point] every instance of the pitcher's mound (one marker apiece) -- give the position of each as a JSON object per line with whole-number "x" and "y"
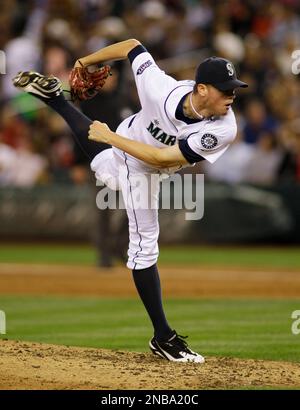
{"x": 26, "y": 365}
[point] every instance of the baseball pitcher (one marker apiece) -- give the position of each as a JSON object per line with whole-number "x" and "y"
{"x": 180, "y": 123}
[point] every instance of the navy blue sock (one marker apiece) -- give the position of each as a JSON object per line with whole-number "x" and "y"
{"x": 79, "y": 124}
{"x": 147, "y": 283}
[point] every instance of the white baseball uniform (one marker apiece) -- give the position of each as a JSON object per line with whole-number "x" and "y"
{"x": 161, "y": 123}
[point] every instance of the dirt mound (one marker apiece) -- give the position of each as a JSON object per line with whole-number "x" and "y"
{"x": 25, "y": 365}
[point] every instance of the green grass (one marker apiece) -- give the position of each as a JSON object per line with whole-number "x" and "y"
{"x": 259, "y": 329}
{"x": 48, "y": 254}
{"x": 277, "y": 257}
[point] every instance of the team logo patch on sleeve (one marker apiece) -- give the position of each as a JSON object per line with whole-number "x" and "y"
{"x": 143, "y": 67}
{"x": 209, "y": 141}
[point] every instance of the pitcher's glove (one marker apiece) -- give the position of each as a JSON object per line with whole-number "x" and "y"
{"x": 84, "y": 84}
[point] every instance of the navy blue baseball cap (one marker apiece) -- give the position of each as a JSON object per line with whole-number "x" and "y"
{"x": 218, "y": 72}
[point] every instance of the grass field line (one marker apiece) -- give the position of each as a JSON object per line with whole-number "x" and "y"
{"x": 43, "y": 268}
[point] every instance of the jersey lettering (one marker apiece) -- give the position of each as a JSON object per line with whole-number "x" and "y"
{"x": 171, "y": 140}
{"x": 143, "y": 67}
{"x": 160, "y": 135}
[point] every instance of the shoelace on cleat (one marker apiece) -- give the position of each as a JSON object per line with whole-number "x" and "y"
{"x": 182, "y": 344}
{"x": 179, "y": 340}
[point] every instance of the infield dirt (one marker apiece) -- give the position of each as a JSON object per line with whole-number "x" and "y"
{"x": 176, "y": 281}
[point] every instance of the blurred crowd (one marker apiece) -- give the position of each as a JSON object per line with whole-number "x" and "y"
{"x": 259, "y": 36}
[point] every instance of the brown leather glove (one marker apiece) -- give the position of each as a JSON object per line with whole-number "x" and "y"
{"x": 84, "y": 84}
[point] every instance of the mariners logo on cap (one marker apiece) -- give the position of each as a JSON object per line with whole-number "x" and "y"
{"x": 209, "y": 141}
{"x": 230, "y": 69}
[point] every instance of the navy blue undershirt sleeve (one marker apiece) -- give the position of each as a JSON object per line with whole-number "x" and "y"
{"x": 188, "y": 153}
{"x": 135, "y": 52}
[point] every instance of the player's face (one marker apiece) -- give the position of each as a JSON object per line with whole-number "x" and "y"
{"x": 218, "y": 102}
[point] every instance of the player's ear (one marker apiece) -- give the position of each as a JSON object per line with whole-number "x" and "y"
{"x": 202, "y": 90}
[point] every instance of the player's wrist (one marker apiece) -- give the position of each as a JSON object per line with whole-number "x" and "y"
{"x": 82, "y": 62}
{"x": 79, "y": 63}
{"x": 110, "y": 137}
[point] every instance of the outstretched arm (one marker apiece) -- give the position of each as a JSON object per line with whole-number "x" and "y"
{"x": 157, "y": 157}
{"x": 117, "y": 51}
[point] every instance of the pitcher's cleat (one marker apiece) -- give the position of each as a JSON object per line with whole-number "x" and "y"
{"x": 175, "y": 349}
{"x": 37, "y": 84}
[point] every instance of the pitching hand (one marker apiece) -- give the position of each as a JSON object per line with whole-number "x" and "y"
{"x": 99, "y": 132}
